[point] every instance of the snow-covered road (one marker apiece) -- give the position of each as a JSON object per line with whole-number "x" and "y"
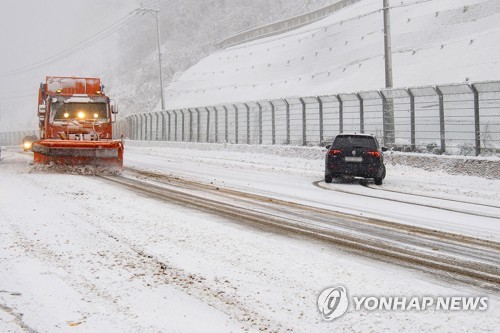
{"x": 80, "y": 255}
{"x": 300, "y": 179}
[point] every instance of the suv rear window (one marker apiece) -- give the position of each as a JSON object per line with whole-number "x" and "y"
{"x": 352, "y": 141}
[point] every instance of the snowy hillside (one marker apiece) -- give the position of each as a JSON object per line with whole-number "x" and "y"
{"x": 439, "y": 41}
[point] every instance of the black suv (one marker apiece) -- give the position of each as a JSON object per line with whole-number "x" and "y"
{"x": 355, "y": 155}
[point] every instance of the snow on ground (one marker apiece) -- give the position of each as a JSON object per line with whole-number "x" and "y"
{"x": 78, "y": 254}
{"x": 439, "y": 41}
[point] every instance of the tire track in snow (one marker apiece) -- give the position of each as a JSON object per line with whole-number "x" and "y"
{"x": 466, "y": 259}
{"x": 320, "y": 185}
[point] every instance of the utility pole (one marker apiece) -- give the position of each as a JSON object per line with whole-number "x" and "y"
{"x": 388, "y": 112}
{"x": 156, "y": 13}
{"x": 387, "y": 45}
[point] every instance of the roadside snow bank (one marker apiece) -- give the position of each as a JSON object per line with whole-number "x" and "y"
{"x": 486, "y": 167}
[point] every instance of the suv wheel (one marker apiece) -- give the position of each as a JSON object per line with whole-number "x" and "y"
{"x": 378, "y": 181}
{"x": 328, "y": 179}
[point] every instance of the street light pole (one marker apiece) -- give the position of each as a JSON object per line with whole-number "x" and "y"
{"x": 156, "y": 13}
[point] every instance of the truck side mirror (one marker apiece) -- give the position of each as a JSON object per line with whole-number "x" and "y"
{"x": 114, "y": 109}
{"x": 42, "y": 109}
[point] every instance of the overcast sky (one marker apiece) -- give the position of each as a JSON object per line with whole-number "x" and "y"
{"x": 32, "y": 31}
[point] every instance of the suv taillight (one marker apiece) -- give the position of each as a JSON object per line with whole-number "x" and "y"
{"x": 374, "y": 153}
{"x": 334, "y": 152}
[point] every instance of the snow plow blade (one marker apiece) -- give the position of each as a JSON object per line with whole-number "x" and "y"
{"x": 70, "y": 152}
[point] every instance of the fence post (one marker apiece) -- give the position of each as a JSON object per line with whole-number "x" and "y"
{"x": 273, "y": 124}
{"x": 361, "y": 114}
{"x": 150, "y": 127}
{"x": 304, "y": 122}
{"x": 143, "y": 130}
{"x": 149, "y": 116}
{"x": 190, "y": 125}
{"x": 287, "y": 120}
{"x": 150, "y": 130}
{"x": 441, "y": 119}
{"x": 171, "y": 126}
{"x": 208, "y": 124}
{"x": 182, "y": 124}
{"x": 144, "y": 122}
{"x": 413, "y": 141}
{"x": 198, "y": 126}
{"x": 248, "y": 123}
{"x": 134, "y": 128}
{"x": 175, "y": 124}
{"x": 137, "y": 127}
{"x": 169, "y": 130}
{"x": 226, "y": 136}
{"x": 320, "y": 110}
{"x": 477, "y": 123}
{"x": 341, "y": 113}
{"x": 163, "y": 126}
{"x": 260, "y": 122}
{"x": 157, "y": 125}
{"x": 235, "y": 123}
{"x": 216, "y": 123}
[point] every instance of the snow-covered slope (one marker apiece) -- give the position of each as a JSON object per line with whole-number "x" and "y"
{"x": 438, "y": 41}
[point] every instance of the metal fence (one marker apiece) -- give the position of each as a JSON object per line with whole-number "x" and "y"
{"x": 458, "y": 119}
{"x": 15, "y": 137}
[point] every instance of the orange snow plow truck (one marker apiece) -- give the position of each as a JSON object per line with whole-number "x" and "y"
{"x": 75, "y": 119}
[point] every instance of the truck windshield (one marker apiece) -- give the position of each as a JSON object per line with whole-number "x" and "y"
{"x": 81, "y": 111}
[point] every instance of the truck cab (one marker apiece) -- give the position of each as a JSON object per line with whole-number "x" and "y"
{"x": 75, "y": 120}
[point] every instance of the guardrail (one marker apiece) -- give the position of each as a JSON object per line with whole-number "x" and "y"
{"x": 282, "y": 26}
{"x": 455, "y": 119}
